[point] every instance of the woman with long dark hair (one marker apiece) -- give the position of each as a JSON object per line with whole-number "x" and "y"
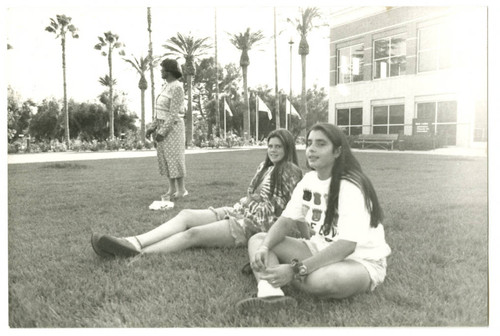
{"x": 346, "y": 254}
{"x": 268, "y": 193}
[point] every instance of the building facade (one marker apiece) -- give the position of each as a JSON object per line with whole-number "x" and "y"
{"x": 394, "y": 68}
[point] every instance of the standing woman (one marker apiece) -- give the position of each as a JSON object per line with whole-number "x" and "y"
{"x": 267, "y": 195}
{"x": 347, "y": 253}
{"x": 170, "y": 132}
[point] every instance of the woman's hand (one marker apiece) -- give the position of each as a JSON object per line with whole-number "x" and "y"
{"x": 259, "y": 262}
{"x": 255, "y": 197}
{"x": 279, "y": 275}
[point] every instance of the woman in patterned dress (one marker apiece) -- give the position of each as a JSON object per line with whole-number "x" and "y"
{"x": 268, "y": 193}
{"x": 169, "y": 130}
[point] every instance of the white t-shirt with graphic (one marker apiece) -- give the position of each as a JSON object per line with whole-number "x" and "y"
{"x": 308, "y": 204}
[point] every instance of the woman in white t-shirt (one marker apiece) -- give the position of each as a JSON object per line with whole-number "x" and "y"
{"x": 346, "y": 253}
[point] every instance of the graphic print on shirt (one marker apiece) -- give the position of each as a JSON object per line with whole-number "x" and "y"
{"x": 314, "y": 207}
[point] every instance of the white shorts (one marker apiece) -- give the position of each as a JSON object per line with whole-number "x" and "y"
{"x": 377, "y": 269}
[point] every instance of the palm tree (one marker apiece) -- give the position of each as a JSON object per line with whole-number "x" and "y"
{"x": 60, "y": 26}
{"x": 304, "y": 25}
{"x": 110, "y": 41}
{"x": 189, "y": 48}
{"x": 244, "y": 42}
{"x": 151, "y": 65}
{"x": 142, "y": 66}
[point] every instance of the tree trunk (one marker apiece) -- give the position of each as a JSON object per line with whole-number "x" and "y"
{"x": 143, "y": 115}
{"x": 303, "y": 102}
{"x": 246, "y": 111}
{"x": 217, "y": 108}
{"x": 65, "y": 97}
{"x": 189, "y": 113}
{"x": 153, "y": 113}
{"x": 277, "y": 98}
{"x": 111, "y": 114}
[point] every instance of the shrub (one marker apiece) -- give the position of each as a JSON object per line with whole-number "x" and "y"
{"x": 114, "y": 144}
{"x": 13, "y": 148}
{"x": 417, "y": 142}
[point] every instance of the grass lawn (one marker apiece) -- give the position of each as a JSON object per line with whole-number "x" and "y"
{"x": 436, "y": 224}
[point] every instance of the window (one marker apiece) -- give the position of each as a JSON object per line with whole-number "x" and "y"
{"x": 350, "y": 120}
{"x": 389, "y": 57}
{"x": 443, "y": 116}
{"x": 388, "y": 119}
{"x": 434, "y": 48}
{"x": 350, "y": 64}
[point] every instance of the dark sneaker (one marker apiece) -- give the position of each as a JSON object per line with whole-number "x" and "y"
{"x": 119, "y": 247}
{"x": 94, "y": 240}
{"x": 247, "y": 269}
{"x": 256, "y": 305}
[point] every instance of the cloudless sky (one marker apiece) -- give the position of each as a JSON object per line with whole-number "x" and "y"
{"x": 33, "y": 66}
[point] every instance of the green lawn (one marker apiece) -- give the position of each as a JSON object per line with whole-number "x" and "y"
{"x": 436, "y": 223}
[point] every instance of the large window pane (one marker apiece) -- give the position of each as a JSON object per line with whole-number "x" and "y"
{"x": 449, "y": 132}
{"x": 357, "y": 116}
{"x": 447, "y": 112}
{"x": 427, "y": 61}
{"x": 356, "y": 130}
{"x": 381, "y": 69}
{"x": 379, "y": 129}
{"x": 381, "y": 48}
{"x": 435, "y": 48}
{"x": 396, "y": 129}
{"x": 397, "y": 114}
{"x": 343, "y": 117}
{"x": 379, "y": 115}
{"x": 427, "y": 39}
{"x": 350, "y": 64}
{"x": 426, "y": 111}
{"x": 398, "y": 66}
{"x": 398, "y": 46}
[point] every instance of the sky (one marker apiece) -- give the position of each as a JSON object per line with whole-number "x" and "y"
{"x": 34, "y": 65}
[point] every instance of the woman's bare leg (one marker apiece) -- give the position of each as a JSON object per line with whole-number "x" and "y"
{"x": 217, "y": 234}
{"x": 183, "y": 221}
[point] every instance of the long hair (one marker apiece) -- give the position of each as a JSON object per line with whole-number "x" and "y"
{"x": 288, "y": 142}
{"x": 346, "y": 167}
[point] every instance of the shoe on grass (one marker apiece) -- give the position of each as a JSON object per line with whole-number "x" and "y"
{"x": 247, "y": 269}
{"x": 94, "y": 241}
{"x": 267, "y": 304}
{"x": 119, "y": 247}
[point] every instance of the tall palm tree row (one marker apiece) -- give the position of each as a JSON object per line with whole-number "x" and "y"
{"x": 244, "y": 42}
{"x": 142, "y": 66}
{"x": 60, "y": 26}
{"x": 190, "y": 48}
{"x": 304, "y": 25}
{"x": 110, "y": 41}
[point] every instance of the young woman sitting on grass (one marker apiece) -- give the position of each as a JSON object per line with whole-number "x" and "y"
{"x": 346, "y": 254}
{"x": 268, "y": 193}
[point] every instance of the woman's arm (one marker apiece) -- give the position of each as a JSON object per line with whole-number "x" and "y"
{"x": 276, "y": 234}
{"x": 263, "y": 209}
{"x": 334, "y": 253}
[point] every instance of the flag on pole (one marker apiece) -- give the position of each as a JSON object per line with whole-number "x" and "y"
{"x": 294, "y": 111}
{"x": 263, "y": 108}
{"x": 227, "y": 109}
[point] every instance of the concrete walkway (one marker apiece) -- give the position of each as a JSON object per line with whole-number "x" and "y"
{"x": 80, "y": 156}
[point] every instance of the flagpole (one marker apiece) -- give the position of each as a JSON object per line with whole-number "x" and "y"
{"x": 290, "y": 98}
{"x": 256, "y": 117}
{"x": 224, "y": 98}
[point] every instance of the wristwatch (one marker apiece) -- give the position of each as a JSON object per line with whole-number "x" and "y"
{"x": 299, "y": 269}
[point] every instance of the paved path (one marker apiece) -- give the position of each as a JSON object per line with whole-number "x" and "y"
{"x": 77, "y": 156}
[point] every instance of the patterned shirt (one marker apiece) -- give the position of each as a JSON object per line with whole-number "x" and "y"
{"x": 262, "y": 210}
{"x": 169, "y": 106}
